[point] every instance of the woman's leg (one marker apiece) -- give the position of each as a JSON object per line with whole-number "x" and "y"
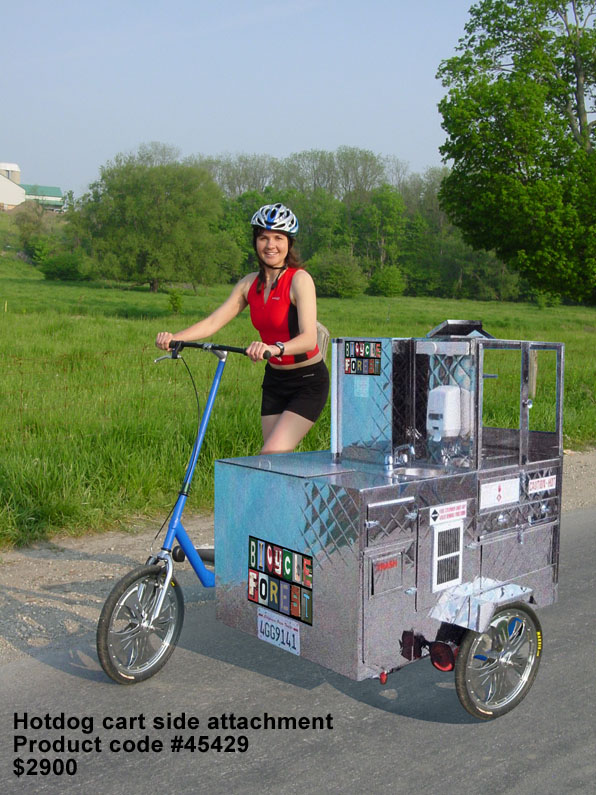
{"x": 283, "y": 432}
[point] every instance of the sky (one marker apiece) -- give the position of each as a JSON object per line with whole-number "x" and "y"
{"x": 82, "y": 81}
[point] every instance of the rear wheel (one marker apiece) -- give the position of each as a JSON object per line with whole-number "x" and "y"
{"x": 495, "y": 669}
{"x": 130, "y": 646}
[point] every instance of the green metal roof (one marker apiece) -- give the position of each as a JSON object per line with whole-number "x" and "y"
{"x": 42, "y": 190}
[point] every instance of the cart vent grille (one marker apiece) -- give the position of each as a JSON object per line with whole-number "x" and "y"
{"x": 447, "y": 556}
{"x": 448, "y": 541}
{"x": 447, "y": 570}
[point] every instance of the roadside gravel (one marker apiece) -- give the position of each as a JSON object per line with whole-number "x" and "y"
{"x": 52, "y": 593}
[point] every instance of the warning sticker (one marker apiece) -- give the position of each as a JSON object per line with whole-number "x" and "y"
{"x": 361, "y": 389}
{"x": 445, "y": 513}
{"x": 542, "y": 484}
{"x": 502, "y": 492}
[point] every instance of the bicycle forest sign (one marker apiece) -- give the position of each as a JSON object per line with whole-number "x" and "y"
{"x": 280, "y": 579}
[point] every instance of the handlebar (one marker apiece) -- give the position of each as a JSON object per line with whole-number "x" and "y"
{"x": 177, "y": 345}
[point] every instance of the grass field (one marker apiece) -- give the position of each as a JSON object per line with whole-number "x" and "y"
{"x": 94, "y": 433}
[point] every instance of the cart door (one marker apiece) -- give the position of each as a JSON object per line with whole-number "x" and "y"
{"x": 521, "y": 399}
{"x": 389, "y": 579}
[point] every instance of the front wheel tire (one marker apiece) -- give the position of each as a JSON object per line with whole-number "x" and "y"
{"x": 130, "y": 646}
{"x": 495, "y": 669}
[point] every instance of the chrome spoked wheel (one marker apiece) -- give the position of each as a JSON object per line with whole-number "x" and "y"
{"x": 495, "y": 669}
{"x": 131, "y": 645}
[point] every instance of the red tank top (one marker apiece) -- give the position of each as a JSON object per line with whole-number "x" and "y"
{"x": 277, "y": 319}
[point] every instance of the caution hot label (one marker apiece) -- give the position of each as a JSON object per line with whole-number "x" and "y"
{"x": 542, "y": 484}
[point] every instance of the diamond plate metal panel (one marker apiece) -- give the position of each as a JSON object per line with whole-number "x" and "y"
{"x": 515, "y": 554}
{"x": 446, "y": 370}
{"x": 366, "y": 407}
{"x": 527, "y": 513}
{"x": 387, "y": 521}
{"x": 331, "y": 526}
{"x": 389, "y": 601}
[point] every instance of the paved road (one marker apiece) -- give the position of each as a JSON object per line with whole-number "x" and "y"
{"x": 410, "y": 736}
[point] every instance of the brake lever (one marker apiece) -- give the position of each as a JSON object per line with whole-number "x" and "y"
{"x": 176, "y": 347}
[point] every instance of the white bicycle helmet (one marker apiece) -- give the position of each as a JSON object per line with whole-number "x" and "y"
{"x": 277, "y": 217}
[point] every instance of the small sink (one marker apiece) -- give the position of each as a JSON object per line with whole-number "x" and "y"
{"x": 419, "y": 473}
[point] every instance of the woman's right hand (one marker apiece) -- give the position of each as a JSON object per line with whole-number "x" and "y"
{"x": 256, "y": 351}
{"x": 163, "y": 340}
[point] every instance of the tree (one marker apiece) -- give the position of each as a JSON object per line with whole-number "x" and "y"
{"x": 150, "y": 219}
{"x": 388, "y": 281}
{"x": 215, "y": 259}
{"x": 337, "y": 274}
{"x": 235, "y": 222}
{"x": 521, "y": 94}
{"x": 66, "y": 266}
{"x": 320, "y": 217}
{"x": 358, "y": 171}
{"x": 396, "y": 172}
{"x": 378, "y": 223}
{"x": 31, "y": 221}
{"x": 241, "y": 173}
{"x": 156, "y": 153}
{"x": 41, "y": 231}
{"x": 309, "y": 172}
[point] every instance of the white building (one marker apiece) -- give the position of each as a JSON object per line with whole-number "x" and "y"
{"x": 11, "y": 171}
{"x": 11, "y": 192}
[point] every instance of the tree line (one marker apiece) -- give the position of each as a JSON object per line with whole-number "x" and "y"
{"x": 366, "y": 224}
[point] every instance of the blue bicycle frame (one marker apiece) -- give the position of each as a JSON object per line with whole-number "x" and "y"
{"x": 176, "y": 531}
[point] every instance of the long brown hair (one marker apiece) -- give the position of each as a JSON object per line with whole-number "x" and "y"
{"x": 292, "y": 257}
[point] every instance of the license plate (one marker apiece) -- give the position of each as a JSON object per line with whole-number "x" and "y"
{"x": 279, "y": 630}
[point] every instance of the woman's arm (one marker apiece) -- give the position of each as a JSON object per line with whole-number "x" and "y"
{"x": 304, "y": 296}
{"x": 210, "y": 325}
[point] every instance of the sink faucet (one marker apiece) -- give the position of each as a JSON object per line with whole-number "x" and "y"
{"x": 403, "y": 454}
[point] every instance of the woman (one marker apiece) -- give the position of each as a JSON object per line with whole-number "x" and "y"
{"x": 283, "y": 309}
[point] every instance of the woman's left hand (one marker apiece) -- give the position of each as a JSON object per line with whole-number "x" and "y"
{"x": 256, "y": 351}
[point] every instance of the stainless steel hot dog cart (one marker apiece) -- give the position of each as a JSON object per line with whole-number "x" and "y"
{"x": 430, "y": 527}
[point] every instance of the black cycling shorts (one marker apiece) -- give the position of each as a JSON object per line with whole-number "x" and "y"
{"x": 302, "y": 390}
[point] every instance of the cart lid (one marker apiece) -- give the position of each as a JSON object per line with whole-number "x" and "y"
{"x": 459, "y": 328}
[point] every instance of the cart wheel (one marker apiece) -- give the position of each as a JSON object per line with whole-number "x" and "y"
{"x": 494, "y": 670}
{"x": 129, "y": 648}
